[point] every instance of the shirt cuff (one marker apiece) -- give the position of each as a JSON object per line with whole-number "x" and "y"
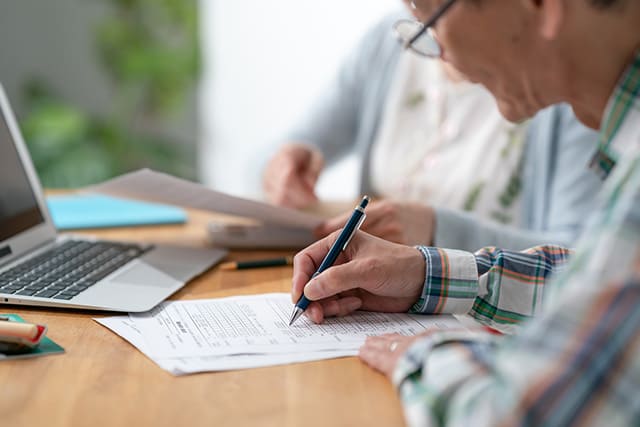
{"x": 451, "y": 282}
{"x": 414, "y": 360}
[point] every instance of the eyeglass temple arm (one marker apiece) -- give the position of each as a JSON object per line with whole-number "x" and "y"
{"x": 430, "y": 23}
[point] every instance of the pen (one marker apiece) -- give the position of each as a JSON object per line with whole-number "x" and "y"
{"x": 354, "y": 223}
{"x": 260, "y": 263}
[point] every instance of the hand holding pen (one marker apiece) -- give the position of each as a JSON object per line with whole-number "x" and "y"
{"x": 369, "y": 274}
{"x": 340, "y": 244}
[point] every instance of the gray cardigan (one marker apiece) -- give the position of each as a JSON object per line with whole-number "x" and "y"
{"x": 558, "y": 188}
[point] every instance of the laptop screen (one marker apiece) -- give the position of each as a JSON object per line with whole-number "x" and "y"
{"x": 18, "y": 206}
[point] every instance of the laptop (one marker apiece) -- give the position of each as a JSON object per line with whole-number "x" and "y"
{"x": 39, "y": 267}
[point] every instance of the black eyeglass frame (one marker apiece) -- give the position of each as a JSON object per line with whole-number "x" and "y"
{"x": 429, "y": 23}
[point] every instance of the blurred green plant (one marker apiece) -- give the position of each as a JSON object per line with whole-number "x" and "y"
{"x": 150, "y": 51}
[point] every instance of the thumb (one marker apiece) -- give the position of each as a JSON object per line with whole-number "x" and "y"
{"x": 336, "y": 279}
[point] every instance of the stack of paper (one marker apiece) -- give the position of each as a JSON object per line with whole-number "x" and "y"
{"x": 185, "y": 337}
{"x": 274, "y": 227}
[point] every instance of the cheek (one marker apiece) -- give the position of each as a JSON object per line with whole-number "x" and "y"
{"x": 476, "y": 62}
{"x": 461, "y": 51}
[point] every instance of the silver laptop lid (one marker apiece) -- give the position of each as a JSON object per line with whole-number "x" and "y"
{"x": 25, "y": 222}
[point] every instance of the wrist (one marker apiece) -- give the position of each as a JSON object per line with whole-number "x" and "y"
{"x": 415, "y": 272}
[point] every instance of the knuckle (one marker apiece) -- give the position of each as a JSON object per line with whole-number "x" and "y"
{"x": 391, "y": 210}
{"x": 297, "y": 258}
{"x": 371, "y": 263}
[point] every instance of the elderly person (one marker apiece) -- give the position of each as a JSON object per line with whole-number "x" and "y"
{"x": 448, "y": 169}
{"x": 576, "y": 361}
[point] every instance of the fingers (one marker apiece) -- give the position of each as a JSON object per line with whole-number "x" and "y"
{"x": 301, "y": 175}
{"x": 332, "y": 225}
{"x": 382, "y": 353}
{"x": 306, "y": 262}
{"x": 290, "y": 177}
{"x": 340, "y": 307}
{"x": 377, "y": 212}
{"x": 333, "y": 307}
{"x": 383, "y": 220}
{"x": 337, "y": 279}
{"x": 292, "y": 188}
{"x": 315, "y": 313}
{"x": 297, "y": 196}
{"x": 316, "y": 165}
{"x": 377, "y": 353}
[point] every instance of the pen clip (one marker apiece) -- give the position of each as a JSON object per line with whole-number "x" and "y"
{"x": 355, "y": 229}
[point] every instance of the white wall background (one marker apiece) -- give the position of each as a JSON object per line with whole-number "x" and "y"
{"x": 263, "y": 62}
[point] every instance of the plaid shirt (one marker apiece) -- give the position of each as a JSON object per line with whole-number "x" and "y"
{"x": 578, "y": 361}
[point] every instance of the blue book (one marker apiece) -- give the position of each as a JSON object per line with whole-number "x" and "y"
{"x": 98, "y": 211}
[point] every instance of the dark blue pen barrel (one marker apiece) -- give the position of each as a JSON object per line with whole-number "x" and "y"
{"x": 337, "y": 247}
{"x": 303, "y": 303}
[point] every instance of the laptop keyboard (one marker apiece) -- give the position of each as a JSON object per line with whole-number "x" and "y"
{"x": 66, "y": 270}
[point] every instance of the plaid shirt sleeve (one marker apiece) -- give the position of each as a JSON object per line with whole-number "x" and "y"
{"x": 578, "y": 363}
{"x": 497, "y": 287}
{"x": 574, "y": 366}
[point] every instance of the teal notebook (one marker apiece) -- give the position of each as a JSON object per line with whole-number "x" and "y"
{"x": 45, "y": 347}
{"x": 98, "y": 211}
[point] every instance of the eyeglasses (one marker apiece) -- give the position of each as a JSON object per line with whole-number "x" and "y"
{"x": 419, "y": 36}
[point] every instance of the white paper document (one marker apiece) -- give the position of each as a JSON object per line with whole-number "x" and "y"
{"x": 252, "y": 331}
{"x": 158, "y": 187}
{"x": 127, "y": 329}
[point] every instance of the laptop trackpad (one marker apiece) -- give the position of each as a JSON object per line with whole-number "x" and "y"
{"x": 144, "y": 275}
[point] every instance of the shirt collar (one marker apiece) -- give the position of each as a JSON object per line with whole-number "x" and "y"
{"x": 624, "y": 97}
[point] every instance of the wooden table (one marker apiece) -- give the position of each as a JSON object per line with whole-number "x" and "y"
{"x": 102, "y": 380}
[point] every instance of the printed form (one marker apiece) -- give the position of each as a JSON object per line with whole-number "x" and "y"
{"x": 255, "y": 328}
{"x": 124, "y": 327}
{"x": 259, "y": 324}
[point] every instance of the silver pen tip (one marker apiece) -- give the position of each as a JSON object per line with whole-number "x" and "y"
{"x": 297, "y": 312}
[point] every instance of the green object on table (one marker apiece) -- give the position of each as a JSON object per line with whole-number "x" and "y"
{"x": 45, "y": 348}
